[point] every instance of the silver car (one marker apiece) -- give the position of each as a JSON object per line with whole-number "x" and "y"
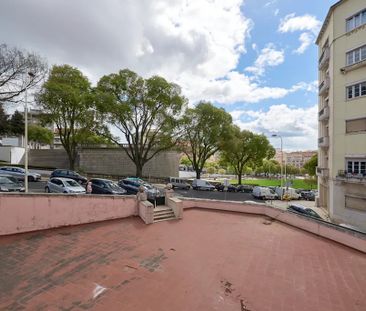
{"x": 19, "y": 173}
{"x": 63, "y": 185}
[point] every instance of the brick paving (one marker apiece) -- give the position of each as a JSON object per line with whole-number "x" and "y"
{"x": 207, "y": 261}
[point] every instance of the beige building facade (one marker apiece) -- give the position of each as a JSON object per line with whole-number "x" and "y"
{"x": 342, "y": 113}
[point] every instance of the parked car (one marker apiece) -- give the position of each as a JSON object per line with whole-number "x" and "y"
{"x": 10, "y": 184}
{"x": 19, "y": 173}
{"x": 200, "y": 184}
{"x": 106, "y": 186}
{"x": 221, "y": 187}
{"x": 63, "y": 185}
{"x": 264, "y": 193}
{"x": 132, "y": 184}
{"x": 179, "y": 183}
{"x": 289, "y": 192}
{"x": 244, "y": 188}
{"x": 69, "y": 174}
{"x": 297, "y": 208}
{"x": 308, "y": 195}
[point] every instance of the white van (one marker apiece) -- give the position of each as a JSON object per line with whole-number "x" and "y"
{"x": 264, "y": 193}
{"x": 290, "y": 192}
{"x": 200, "y": 184}
{"x": 179, "y": 183}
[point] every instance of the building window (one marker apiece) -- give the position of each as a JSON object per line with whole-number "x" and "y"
{"x": 356, "y": 55}
{"x": 356, "y": 21}
{"x": 354, "y": 126}
{"x": 356, "y": 166}
{"x": 356, "y": 90}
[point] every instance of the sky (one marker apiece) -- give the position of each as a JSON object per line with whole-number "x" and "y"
{"x": 255, "y": 58}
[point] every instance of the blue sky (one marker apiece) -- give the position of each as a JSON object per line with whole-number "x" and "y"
{"x": 255, "y": 58}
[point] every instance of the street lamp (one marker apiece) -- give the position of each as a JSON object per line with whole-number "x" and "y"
{"x": 276, "y": 135}
{"x": 31, "y": 75}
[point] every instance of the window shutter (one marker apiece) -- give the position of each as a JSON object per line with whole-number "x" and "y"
{"x": 358, "y": 125}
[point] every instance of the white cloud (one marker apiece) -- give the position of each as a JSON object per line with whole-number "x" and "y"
{"x": 268, "y": 57}
{"x": 276, "y": 12}
{"x": 237, "y": 87}
{"x": 292, "y": 23}
{"x": 309, "y": 26}
{"x": 269, "y": 3}
{"x": 195, "y": 43}
{"x": 297, "y": 126}
{"x": 306, "y": 39}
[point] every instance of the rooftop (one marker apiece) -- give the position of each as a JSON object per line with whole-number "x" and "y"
{"x": 207, "y": 261}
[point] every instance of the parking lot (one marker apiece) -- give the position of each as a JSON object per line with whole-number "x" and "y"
{"x": 217, "y": 195}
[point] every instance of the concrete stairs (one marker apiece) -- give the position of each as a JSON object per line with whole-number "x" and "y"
{"x": 162, "y": 213}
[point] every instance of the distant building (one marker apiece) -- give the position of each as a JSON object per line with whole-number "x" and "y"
{"x": 342, "y": 113}
{"x": 297, "y": 158}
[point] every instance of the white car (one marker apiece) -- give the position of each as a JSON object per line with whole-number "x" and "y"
{"x": 63, "y": 185}
{"x": 264, "y": 193}
{"x": 19, "y": 173}
{"x": 290, "y": 192}
{"x": 200, "y": 184}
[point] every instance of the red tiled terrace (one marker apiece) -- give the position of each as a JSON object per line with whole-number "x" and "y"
{"x": 207, "y": 261}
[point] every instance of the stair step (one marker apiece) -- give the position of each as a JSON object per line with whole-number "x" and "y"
{"x": 163, "y": 219}
{"x": 164, "y": 216}
{"x": 163, "y": 212}
{"x": 162, "y": 208}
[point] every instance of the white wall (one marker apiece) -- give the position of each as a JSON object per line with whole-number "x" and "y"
{"x": 12, "y": 155}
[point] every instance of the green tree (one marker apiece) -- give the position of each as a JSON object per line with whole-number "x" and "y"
{"x": 204, "y": 129}
{"x": 39, "y": 134}
{"x": 145, "y": 111}
{"x": 67, "y": 101}
{"x": 16, "y": 123}
{"x": 310, "y": 166}
{"x": 245, "y": 148}
{"x": 15, "y": 65}
{"x": 185, "y": 161}
{"x": 4, "y": 122}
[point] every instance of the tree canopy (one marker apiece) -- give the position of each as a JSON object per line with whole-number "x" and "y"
{"x": 145, "y": 111}
{"x": 245, "y": 147}
{"x": 310, "y": 166}
{"x": 67, "y": 101}
{"x": 204, "y": 129}
{"x": 15, "y": 66}
{"x": 39, "y": 134}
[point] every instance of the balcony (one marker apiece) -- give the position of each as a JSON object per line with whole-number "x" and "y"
{"x": 324, "y": 87}
{"x": 324, "y": 59}
{"x": 322, "y": 172}
{"x": 323, "y": 142}
{"x": 324, "y": 114}
{"x": 344, "y": 176}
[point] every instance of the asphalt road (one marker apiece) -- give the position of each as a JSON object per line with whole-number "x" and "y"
{"x": 37, "y": 186}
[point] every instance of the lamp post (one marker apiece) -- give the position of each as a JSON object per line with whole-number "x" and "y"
{"x": 31, "y": 75}
{"x": 276, "y": 135}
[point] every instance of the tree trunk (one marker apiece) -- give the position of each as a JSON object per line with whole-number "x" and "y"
{"x": 138, "y": 169}
{"x": 239, "y": 178}
{"x": 198, "y": 174}
{"x": 72, "y": 158}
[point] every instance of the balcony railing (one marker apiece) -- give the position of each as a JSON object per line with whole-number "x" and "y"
{"x": 323, "y": 142}
{"x": 322, "y": 172}
{"x": 351, "y": 177}
{"x": 324, "y": 58}
{"x": 324, "y": 86}
{"x": 324, "y": 114}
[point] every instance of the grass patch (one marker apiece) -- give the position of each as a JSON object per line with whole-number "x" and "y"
{"x": 296, "y": 183}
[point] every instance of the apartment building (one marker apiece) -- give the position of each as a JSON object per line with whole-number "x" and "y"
{"x": 342, "y": 113}
{"x": 299, "y": 158}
